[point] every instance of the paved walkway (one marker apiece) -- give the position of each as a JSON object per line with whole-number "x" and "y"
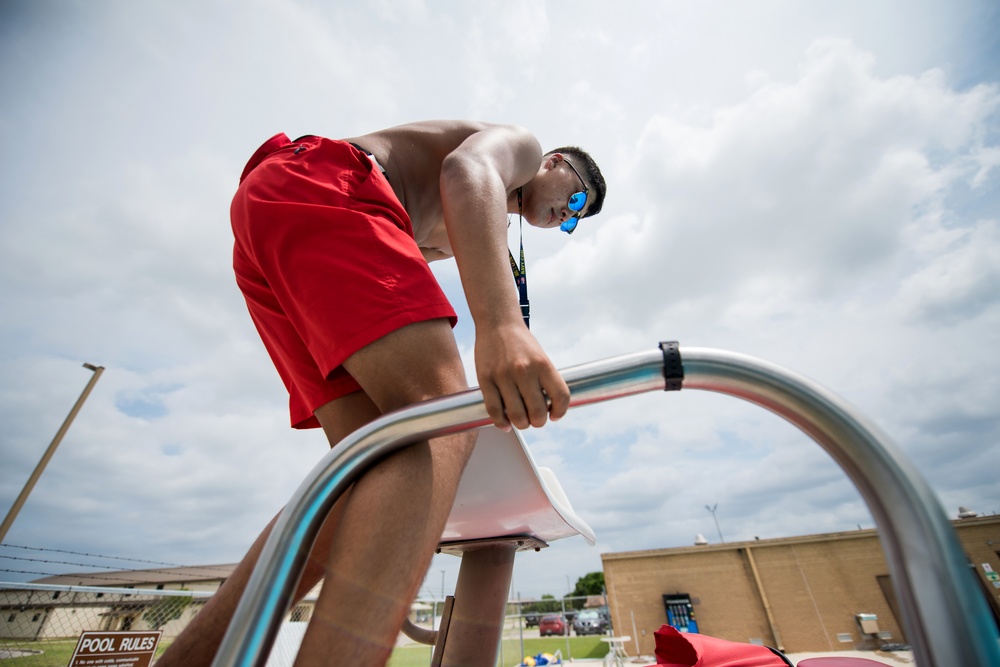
{"x": 894, "y": 658}
{"x": 897, "y": 658}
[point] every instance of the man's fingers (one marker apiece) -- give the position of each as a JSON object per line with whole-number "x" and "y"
{"x": 558, "y": 393}
{"x": 520, "y": 390}
{"x": 528, "y": 402}
{"x": 513, "y": 404}
{"x": 494, "y": 406}
{"x": 536, "y": 405}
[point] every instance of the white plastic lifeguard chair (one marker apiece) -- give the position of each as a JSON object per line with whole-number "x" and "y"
{"x": 505, "y": 503}
{"x": 504, "y": 493}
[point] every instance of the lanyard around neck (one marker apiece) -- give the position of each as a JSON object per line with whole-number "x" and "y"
{"x": 520, "y": 274}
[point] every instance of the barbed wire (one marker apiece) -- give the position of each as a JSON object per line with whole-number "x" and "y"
{"x": 203, "y": 569}
{"x": 89, "y": 576}
{"x": 63, "y": 562}
{"x": 89, "y": 555}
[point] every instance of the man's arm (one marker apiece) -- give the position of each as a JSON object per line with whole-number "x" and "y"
{"x": 433, "y": 254}
{"x": 514, "y": 373}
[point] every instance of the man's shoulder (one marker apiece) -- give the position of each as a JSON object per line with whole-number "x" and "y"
{"x": 442, "y": 126}
{"x": 439, "y": 135}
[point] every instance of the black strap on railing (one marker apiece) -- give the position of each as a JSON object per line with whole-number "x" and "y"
{"x": 673, "y": 369}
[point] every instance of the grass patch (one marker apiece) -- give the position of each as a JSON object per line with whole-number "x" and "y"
{"x": 57, "y": 653}
{"x": 579, "y": 648}
{"x": 410, "y": 656}
{"x": 54, "y": 653}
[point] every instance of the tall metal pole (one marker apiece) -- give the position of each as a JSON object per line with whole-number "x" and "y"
{"x": 712, "y": 510}
{"x": 30, "y": 484}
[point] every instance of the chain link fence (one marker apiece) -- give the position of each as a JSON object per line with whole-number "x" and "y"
{"x": 569, "y": 628}
{"x": 40, "y": 624}
{"x": 532, "y": 628}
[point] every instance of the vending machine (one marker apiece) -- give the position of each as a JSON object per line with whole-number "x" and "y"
{"x": 680, "y": 612}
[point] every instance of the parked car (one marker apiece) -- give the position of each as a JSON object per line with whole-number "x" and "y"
{"x": 531, "y": 619}
{"x": 589, "y": 622}
{"x": 552, "y": 624}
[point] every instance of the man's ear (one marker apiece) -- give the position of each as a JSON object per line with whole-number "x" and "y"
{"x": 552, "y": 160}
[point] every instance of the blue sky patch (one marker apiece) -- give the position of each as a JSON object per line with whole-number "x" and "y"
{"x": 145, "y": 404}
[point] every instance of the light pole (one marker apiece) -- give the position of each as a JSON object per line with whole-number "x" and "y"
{"x": 712, "y": 510}
{"x": 30, "y": 484}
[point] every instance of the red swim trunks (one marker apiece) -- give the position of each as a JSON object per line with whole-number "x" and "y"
{"x": 326, "y": 260}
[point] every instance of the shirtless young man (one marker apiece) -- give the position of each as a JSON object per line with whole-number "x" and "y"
{"x": 332, "y": 244}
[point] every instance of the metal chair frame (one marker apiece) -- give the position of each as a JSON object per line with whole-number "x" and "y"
{"x": 943, "y": 612}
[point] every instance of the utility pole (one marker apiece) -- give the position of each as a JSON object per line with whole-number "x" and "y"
{"x": 712, "y": 510}
{"x": 12, "y": 514}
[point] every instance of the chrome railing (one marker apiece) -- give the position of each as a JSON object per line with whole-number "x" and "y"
{"x": 945, "y": 617}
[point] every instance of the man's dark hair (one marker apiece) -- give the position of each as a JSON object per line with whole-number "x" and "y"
{"x": 593, "y": 174}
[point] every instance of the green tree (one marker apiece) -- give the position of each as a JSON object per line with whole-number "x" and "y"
{"x": 548, "y": 604}
{"x": 591, "y": 583}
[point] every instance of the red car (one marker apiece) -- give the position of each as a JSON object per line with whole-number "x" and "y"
{"x": 551, "y": 624}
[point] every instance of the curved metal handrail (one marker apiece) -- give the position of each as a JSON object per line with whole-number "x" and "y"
{"x": 943, "y": 613}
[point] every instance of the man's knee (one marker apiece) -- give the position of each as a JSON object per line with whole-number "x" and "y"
{"x": 414, "y": 363}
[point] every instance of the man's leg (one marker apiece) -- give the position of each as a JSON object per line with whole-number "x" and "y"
{"x": 197, "y": 644}
{"x": 396, "y": 513}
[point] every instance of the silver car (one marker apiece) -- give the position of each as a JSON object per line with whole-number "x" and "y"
{"x": 589, "y": 622}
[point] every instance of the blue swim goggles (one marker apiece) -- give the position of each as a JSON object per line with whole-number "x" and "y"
{"x": 577, "y": 201}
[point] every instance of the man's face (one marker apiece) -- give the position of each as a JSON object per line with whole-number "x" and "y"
{"x": 560, "y": 195}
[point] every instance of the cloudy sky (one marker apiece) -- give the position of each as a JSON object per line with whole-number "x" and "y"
{"x": 815, "y": 184}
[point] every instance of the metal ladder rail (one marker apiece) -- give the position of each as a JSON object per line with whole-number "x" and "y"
{"x": 943, "y": 612}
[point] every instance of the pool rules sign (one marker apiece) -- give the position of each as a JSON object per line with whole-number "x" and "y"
{"x": 115, "y": 649}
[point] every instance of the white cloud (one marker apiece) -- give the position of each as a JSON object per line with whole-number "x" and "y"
{"x": 811, "y": 186}
{"x": 961, "y": 281}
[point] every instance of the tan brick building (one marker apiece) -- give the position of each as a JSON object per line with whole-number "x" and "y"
{"x": 799, "y": 593}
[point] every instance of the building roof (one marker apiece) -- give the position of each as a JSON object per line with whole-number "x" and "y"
{"x": 154, "y": 577}
{"x": 778, "y": 541}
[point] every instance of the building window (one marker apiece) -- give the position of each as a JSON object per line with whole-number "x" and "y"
{"x": 55, "y": 596}
{"x": 10, "y": 619}
{"x": 34, "y": 619}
